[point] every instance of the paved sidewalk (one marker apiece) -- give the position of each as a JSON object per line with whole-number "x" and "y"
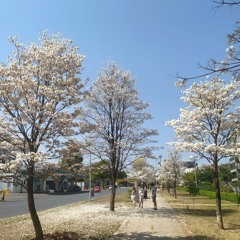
{"x": 147, "y": 223}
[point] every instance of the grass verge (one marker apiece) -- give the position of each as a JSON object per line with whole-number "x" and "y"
{"x": 198, "y": 214}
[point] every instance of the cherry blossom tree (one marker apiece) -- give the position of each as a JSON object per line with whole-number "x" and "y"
{"x": 170, "y": 171}
{"x": 6, "y": 151}
{"x": 209, "y": 125}
{"x": 142, "y": 171}
{"x": 114, "y": 118}
{"x": 39, "y": 89}
{"x": 71, "y": 159}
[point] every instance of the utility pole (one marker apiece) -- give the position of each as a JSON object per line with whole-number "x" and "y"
{"x": 195, "y": 158}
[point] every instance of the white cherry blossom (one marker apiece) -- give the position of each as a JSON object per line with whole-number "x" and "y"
{"x": 114, "y": 120}
{"x": 209, "y": 125}
{"x": 40, "y": 90}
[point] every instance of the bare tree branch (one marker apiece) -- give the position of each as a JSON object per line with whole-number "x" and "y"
{"x": 230, "y": 65}
{"x": 229, "y": 3}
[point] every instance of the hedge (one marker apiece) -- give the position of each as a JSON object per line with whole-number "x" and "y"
{"x": 231, "y": 197}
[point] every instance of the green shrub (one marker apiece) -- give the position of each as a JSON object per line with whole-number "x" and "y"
{"x": 193, "y": 190}
{"x": 231, "y": 197}
{"x": 183, "y": 189}
{"x": 209, "y": 194}
{"x": 207, "y": 186}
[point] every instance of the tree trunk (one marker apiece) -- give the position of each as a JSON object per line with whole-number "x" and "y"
{"x": 31, "y": 204}
{"x": 218, "y": 197}
{"x": 112, "y": 201}
{"x": 175, "y": 192}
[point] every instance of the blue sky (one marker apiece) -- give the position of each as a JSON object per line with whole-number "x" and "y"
{"x": 153, "y": 39}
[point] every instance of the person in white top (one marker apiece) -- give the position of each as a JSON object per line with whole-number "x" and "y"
{"x": 140, "y": 194}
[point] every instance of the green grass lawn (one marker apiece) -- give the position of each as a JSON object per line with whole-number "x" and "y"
{"x": 198, "y": 213}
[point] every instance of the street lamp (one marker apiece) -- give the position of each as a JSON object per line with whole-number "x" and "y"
{"x": 195, "y": 158}
{"x": 160, "y": 157}
{"x": 160, "y": 162}
{"x": 90, "y": 178}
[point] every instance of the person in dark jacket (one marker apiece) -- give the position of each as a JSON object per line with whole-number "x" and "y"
{"x": 154, "y": 197}
{"x": 145, "y": 193}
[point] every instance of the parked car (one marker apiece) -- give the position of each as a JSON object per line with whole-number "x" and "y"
{"x": 96, "y": 189}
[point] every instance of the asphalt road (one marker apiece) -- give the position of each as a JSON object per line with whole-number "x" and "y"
{"x": 16, "y": 203}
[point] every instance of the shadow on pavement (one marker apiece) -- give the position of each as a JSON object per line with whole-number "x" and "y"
{"x": 67, "y": 193}
{"x": 140, "y": 236}
{"x": 162, "y": 212}
{"x": 133, "y": 236}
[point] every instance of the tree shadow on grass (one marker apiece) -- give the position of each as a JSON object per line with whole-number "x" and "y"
{"x": 202, "y": 212}
{"x": 210, "y": 213}
{"x": 232, "y": 226}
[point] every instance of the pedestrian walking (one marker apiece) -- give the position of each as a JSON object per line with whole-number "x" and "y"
{"x": 140, "y": 198}
{"x": 145, "y": 193}
{"x": 92, "y": 194}
{"x": 154, "y": 196}
{"x": 4, "y": 192}
{"x": 134, "y": 195}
